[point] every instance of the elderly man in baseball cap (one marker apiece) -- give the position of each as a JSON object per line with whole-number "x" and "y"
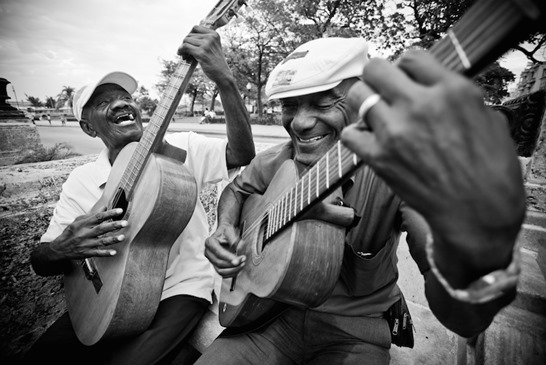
{"x": 79, "y": 230}
{"x": 364, "y": 310}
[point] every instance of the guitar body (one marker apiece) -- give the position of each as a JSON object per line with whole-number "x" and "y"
{"x": 299, "y": 266}
{"x": 132, "y": 280}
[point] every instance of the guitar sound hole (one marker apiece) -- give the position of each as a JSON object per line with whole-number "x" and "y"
{"x": 120, "y": 201}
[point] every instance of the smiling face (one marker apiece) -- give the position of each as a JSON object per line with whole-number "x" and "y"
{"x": 113, "y": 116}
{"x": 315, "y": 121}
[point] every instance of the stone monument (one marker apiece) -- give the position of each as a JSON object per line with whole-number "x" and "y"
{"x": 6, "y": 110}
{"x": 16, "y": 131}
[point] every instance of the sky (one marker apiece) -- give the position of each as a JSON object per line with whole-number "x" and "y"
{"x": 48, "y": 44}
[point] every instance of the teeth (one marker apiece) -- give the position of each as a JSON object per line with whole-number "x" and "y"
{"x": 127, "y": 122}
{"x": 314, "y": 139}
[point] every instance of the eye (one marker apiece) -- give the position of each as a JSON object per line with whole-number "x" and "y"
{"x": 289, "y": 106}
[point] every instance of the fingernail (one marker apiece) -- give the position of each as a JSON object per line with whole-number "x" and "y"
{"x": 112, "y": 252}
{"x": 121, "y": 237}
{"x": 119, "y": 210}
{"x": 124, "y": 223}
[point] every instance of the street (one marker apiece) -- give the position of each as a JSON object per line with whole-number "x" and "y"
{"x": 84, "y": 145}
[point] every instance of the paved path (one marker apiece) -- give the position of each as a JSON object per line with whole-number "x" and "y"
{"x": 192, "y": 124}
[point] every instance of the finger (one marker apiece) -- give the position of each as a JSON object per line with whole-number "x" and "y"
{"x": 422, "y": 67}
{"x": 220, "y": 254}
{"x": 389, "y": 81}
{"x": 372, "y": 120}
{"x": 110, "y": 226}
{"x": 100, "y": 217}
{"x": 227, "y": 273}
{"x": 361, "y": 141}
{"x": 103, "y": 252}
{"x": 223, "y": 258}
{"x": 108, "y": 240}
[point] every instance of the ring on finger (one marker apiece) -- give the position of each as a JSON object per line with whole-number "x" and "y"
{"x": 367, "y": 104}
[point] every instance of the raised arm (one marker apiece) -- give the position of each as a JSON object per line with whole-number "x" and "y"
{"x": 205, "y": 46}
{"x": 431, "y": 138}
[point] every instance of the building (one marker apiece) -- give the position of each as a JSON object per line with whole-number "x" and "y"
{"x": 532, "y": 78}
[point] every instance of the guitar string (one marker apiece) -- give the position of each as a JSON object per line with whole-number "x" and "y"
{"x": 345, "y": 160}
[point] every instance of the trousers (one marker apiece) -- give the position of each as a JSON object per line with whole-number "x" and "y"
{"x": 174, "y": 321}
{"x": 304, "y": 336}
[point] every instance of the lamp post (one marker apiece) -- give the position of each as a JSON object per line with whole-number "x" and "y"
{"x": 248, "y": 87}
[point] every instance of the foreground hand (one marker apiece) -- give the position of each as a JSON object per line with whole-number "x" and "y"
{"x": 204, "y": 45}
{"x": 441, "y": 150}
{"x": 219, "y": 250}
{"x": 89, "y": 235}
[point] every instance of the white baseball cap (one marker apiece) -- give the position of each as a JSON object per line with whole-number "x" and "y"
{"x": 318, "y": 65}
{"x": 82, "y": 96}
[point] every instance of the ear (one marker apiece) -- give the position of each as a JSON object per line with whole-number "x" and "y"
{"x": 87, "y": 128}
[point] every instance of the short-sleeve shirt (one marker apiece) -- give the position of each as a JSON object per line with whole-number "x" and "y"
{"x": 188, "y": 271}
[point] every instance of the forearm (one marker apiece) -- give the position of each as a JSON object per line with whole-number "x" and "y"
{"x": 230, "y": 206}
{"x": 240, "y": 149}
{"x": 46, "y": 262}
{"x": 463, "y": 318}
{"x": 467, "y": 289}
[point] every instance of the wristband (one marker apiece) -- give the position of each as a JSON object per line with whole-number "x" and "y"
{"x": 487, "y": 288}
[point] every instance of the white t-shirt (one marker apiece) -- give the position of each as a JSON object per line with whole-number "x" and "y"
{"x": 188, "y": 270}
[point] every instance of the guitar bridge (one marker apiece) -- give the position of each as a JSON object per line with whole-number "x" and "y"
{"x": 91, "y": 273}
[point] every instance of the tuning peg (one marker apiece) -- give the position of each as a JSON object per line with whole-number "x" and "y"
{"x": 239, "y": 19}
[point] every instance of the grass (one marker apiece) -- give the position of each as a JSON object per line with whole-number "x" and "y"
{"x": 59, "y": 151}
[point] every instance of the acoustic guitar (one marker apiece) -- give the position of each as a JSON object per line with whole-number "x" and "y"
{"x": 297, "y": 261}
{"x": 118, "y": 296}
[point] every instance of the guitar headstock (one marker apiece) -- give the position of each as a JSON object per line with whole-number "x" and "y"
{"x": 222, "y": 13}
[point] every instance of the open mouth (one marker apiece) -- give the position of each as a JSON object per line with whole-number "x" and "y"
{"x": 311, "y": 140}
{"x": 125, "y": 119}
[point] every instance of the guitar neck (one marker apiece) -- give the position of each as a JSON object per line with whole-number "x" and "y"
{"x": 489, "y": 29}
{"x": 154, "y": 133}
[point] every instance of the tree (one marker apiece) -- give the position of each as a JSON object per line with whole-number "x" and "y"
{"x": 494, "y": 82}
{"x": 34, "y": 101}
{"x": 144, "y": 101}
{"x": 272, "y": 29}
{"x": 197, "y": 87}
{"x": 423, "y": 23}
{"x": 64, "y": 99}
{"x": 255, "y": 46}
{"x": 50, "y": 102}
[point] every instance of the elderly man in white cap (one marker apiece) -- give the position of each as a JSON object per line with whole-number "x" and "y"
{"x": 106, "y": 110}
{"x": 365, "y": 310}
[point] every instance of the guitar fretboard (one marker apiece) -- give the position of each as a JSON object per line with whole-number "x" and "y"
{"x": 157, "y": 127}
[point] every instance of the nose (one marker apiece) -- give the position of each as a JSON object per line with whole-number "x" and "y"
{"x": 303, "y": 120}
{"x": 119, "y": 103}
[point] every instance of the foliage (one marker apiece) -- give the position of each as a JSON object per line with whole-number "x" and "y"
{"x": 494, "y": 82}
{"x": 50, "y": 102}
{"x": 65, "y": 97}
{"x": 420, "y": 24}
{"x": 198, "y": 86}
{"x": 34, "y": 101}
{"x": 265, "y": 119}
{"x": 144, "y": 101}
{"x": 273, "y": 29}
{"x": 59, "y": 151}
